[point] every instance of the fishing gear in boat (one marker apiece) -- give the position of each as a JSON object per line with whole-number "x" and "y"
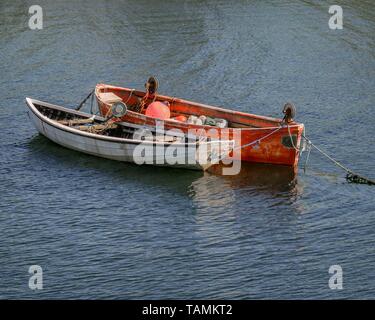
{"x": 117, "y": 110}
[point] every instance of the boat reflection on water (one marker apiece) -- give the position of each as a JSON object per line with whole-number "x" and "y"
{"x": 233, "y": 209}
{"x": 253, "y": 178}
{"x": 256, "y": 183}
{"x": 256, "y": 174}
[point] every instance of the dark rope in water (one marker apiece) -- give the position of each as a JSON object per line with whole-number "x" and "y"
{"x": 350, "y": 175}
{"x": 84, "y": 100}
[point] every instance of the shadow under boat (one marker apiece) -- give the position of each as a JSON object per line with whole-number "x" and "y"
{"x": 175, "y": 179}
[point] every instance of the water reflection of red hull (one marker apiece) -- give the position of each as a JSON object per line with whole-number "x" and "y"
{"x": 260, "y": 174}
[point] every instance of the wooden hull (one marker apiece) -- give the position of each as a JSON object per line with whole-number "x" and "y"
{"x": 115, "y": 148}
{"x": 275, "y": 146}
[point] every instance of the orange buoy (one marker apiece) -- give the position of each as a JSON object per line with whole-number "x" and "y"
{"x": 158, "y": 110}
{"x": 180, "y": 118}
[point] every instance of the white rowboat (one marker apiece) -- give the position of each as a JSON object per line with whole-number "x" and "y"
{"x": 75, "y": 130}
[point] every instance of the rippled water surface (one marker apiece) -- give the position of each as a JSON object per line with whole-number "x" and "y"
{"x": 102, "y": 229}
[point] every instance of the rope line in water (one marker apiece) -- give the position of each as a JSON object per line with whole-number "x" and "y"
{"x": 350, "y": 175}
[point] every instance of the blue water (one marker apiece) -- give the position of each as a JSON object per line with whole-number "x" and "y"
{"x": 102, "y": 229}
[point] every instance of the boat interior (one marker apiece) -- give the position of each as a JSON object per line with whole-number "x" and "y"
{"x": 100, "y": 125}
{"x": 178, "y": 107}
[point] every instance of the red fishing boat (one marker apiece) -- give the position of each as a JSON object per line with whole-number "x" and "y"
{"x": 260, "y": 139}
